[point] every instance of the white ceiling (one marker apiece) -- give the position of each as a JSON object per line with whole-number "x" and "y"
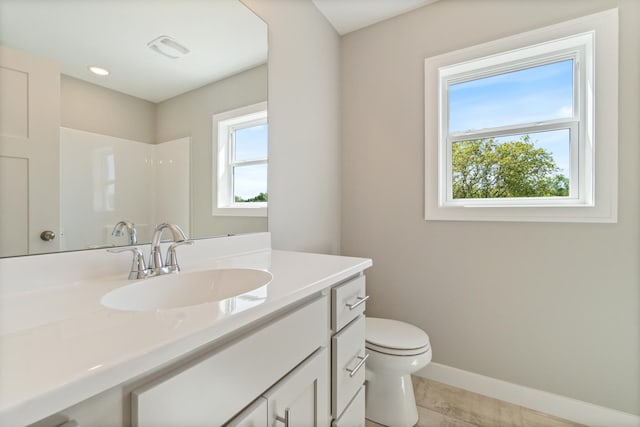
{"x": 351, "y": 15}
{"x": 223, "y": 35}
{"x": 114, "y": 35}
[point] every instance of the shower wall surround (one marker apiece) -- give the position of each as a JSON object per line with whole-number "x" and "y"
{"x": 105, "y": 179}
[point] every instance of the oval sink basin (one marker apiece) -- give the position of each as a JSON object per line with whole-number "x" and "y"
{"x": 185, "y": 289}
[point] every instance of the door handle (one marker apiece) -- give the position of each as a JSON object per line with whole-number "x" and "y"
{"x": 362, "y": 359}
{"x": 285, "y": 419}
{"x": 359, "y": 300}
{"x": 47, "y": 235}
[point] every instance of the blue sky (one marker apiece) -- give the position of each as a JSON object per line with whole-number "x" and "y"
{"x": 535, "y": 94}
{"x": 251, "y": 144}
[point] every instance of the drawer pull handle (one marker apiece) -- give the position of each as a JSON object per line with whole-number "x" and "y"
{"x": 361, "y": 300}
{"x": 363, "y": 359}
{"x": 284, "y": 420}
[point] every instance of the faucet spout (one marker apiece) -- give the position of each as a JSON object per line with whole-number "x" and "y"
{"x": 176, "y": 232}
{"x": 155, "y": 258}
{"x": 131, "y": 231}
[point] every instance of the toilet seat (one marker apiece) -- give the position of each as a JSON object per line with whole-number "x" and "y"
{"x": 395, "y": 337}
{"x": 397, "y": 352}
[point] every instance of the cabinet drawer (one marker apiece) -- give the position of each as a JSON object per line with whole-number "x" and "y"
{"x": 347, "y": 302}
{"x": 347, "y": 371}
{"x": 353, "y": 416}
{"x": 214, "y": 388}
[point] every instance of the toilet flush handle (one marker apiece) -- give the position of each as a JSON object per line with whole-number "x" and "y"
{"x": 360, "y": 300}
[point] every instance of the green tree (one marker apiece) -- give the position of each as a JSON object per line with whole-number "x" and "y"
{"x": 262, "y": 197}
{"x": 484, "y": 168}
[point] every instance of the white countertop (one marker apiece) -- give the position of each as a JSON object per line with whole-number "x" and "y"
{"x": 59, "y": 345}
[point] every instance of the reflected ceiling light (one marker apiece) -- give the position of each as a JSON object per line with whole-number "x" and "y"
{"x": 168, "y": 47}
{"x": 99, "y": 71}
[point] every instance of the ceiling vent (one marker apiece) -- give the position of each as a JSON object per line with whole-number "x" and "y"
{"x": 168, "y": 47}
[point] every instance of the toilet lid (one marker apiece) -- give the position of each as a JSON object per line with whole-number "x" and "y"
{"x": 393, "y": 334}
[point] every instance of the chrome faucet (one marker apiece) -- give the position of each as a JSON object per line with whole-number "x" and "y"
{"x": 155, "y": 264}
{"x": 156, "y": 267}
{"x": 138, "y": 268}
{"x": 131, "y": 231}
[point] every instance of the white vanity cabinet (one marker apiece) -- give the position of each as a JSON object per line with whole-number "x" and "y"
{"x": 212, "y": 389}
{"x": 300, "y": 366}
{"x": 348, "y": 354}
{"x": 298, "y": 400}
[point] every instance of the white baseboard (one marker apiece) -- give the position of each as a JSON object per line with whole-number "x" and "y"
{"x": 542, "y": 401}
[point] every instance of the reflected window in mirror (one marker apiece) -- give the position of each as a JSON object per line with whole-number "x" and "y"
{"x": 241, "y": 147}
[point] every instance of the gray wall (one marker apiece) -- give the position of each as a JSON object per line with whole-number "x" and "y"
{"x": 190, "y": 114}
{"x": 93, "y": 108}
{"x": 304, "y": 126}
{"x": 546, "y": 305}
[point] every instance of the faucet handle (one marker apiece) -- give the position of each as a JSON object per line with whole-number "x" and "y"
{"x": 172, "y": 261}
{"x": 138, "y": 267}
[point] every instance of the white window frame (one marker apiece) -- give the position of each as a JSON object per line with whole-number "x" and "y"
{"x": 593, "y": 150}
{"x": 224, "y": 126}
{"x": 578, "y": 49}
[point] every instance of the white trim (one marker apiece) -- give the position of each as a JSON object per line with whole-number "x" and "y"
{"x": 222, "y": 203}
{"x": 601, "y": 140}
{"x": 538, "y": 400}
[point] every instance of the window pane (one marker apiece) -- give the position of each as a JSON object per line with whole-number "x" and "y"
{"x": 534, "y": 94}
{"x": 251, "y": 143}
{"x": 250, "y": 183}
{"x": 535, "y": 165}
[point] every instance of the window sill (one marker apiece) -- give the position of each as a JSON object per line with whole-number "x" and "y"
{"x": 578, "y": 214}
{"x": 258, "y": 211}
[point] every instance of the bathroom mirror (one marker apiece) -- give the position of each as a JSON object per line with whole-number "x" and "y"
{"x": 138, "y": 144}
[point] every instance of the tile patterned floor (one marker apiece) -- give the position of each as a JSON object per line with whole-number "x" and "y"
{"x": 441, "y": 405}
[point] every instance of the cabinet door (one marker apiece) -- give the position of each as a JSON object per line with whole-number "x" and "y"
{"x": 254, "y": 416}
{"x": 301, "y": 399}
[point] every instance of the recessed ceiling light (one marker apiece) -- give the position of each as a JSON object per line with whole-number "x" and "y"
{"x": 99, "y": 70}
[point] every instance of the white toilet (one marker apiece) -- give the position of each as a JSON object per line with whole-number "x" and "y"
{"x": 396, "y": 350}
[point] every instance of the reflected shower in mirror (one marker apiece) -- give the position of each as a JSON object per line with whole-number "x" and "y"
{"x": 136, "y": 145}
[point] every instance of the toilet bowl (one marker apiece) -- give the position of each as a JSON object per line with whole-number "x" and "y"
{"x": 396, "y": 350}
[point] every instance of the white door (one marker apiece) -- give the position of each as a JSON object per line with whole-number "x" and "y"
{"x": 29, "y": 152}
{"x": 301, "y": 399}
